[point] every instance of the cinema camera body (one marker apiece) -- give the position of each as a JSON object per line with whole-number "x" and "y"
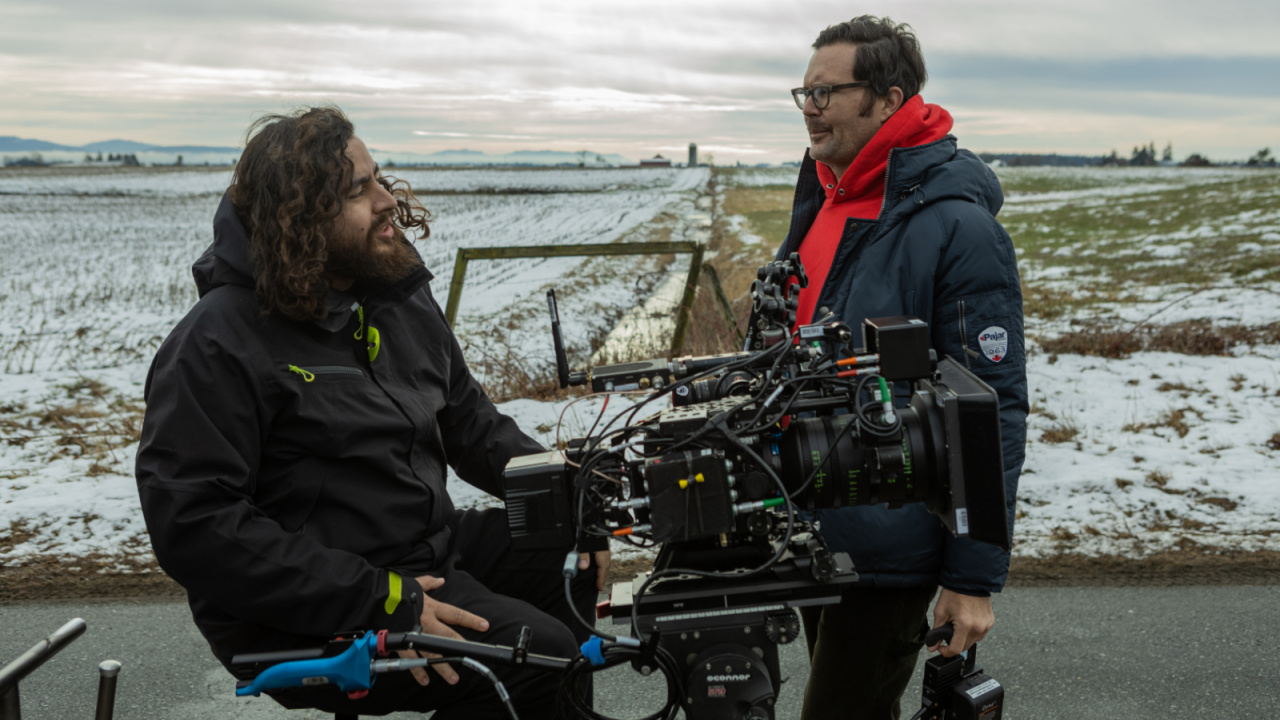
{"x": 721, "y": 477}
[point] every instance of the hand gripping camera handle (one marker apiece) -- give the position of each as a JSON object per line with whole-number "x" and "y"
{"x": 942, "y": 633}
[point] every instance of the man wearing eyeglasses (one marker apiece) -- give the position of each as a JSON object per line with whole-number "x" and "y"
{"x": 891, "y": 218}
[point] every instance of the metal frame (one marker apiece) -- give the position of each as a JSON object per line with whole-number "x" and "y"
{"x": 466, "y": 255}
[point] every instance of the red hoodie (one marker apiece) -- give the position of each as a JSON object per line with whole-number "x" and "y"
{"x": 860, "y": 192}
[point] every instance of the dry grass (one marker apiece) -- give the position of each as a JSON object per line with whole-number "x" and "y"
{"x": 1061, "y": 432}
{"x": 1175, "y": 420}
{"x": 1192, "y": 337}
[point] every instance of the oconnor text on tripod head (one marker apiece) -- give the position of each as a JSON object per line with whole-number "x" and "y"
{"x": 719, "y": 474}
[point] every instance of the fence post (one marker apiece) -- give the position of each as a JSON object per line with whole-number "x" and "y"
{"x": 455, "y": 287}
{"x": 723, "y": 301}
{"x": 686, "y": 301}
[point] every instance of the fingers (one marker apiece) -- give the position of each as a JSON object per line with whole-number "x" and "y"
{"x": 443, "y": 670}
{"x": 420, "y": 674}
{"x": 429, "y": 582}
{"x": 602, "y": 562}
{"x": 584, "y": 561}
{"x": 971, "y": 616}
{"x": 446, "y": 613}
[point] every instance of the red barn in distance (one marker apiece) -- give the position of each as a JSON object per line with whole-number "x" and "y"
{"x": 656, "y": 161}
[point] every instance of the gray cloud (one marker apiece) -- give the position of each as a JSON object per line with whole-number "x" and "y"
{"x": 632, "y": 77}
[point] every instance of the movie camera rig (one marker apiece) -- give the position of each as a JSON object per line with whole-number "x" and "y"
{"x": 800, "y": 421}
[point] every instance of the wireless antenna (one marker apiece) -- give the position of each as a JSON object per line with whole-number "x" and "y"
{"x": 562, "y": 360}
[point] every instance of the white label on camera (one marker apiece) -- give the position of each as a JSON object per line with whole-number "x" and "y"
{"x": 811, "y": 331}
{"x": 994, "y": 342}
{"x": 982, "y": 689}
{"x": 962, "y": 520}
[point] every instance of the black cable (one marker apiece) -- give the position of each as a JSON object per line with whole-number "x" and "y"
{"x": 615, "y": 655}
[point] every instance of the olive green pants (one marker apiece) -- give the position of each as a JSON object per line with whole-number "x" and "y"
{"x": 863, "y": 651}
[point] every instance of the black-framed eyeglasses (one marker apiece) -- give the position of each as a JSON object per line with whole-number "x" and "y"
{"x": 821, "y": 94}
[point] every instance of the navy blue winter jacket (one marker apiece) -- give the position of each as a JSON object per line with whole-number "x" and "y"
{"x": 935, "y": 252}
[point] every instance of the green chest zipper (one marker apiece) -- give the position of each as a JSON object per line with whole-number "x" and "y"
{"x": 374, "y": 337}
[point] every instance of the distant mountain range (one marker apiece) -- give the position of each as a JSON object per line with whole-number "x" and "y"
{"x": 10, "y": 143}
{"x": 13, "y": 144}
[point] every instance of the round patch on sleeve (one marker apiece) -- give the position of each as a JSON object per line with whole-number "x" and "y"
{"x": 994, "y": 342}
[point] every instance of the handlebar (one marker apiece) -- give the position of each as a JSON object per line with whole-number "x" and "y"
{"x": 356, "y": 666}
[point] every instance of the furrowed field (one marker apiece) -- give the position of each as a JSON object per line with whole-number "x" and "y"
{"x": 1152, "y": 302}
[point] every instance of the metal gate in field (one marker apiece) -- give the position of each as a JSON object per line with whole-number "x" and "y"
{"x": 466, "y": 255}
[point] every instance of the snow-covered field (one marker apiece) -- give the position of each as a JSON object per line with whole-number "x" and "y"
{"x": 1129, "y": 455}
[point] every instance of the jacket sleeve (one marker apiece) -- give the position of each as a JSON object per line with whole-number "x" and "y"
{"x": 977, "y": 320}
{"x": 478, "y": 439}
{"x": 208, "y": 414}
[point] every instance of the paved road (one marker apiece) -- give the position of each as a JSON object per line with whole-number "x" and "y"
{"x": 1108, "y": 653}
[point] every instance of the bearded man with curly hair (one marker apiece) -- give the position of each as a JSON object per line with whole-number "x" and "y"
{"x": 299, "y": 421}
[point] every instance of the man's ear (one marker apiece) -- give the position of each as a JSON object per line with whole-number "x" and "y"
{"x": 887, "y": 105}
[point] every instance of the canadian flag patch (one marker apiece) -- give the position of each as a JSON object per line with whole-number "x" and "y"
{"x": 994, "y": 342}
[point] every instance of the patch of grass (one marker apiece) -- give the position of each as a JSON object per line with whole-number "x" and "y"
{"x": 1191, "y": 337}
{"x": 1180, "y": 388}
{"x": 1224, "y": 503}
{"x": 767, "y": 210}
{"x": 1061, "y": 432}
{"x": 1062, "y": 534}
{"x": 1173, "y": 419}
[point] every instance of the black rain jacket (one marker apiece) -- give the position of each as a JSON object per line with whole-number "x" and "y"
{"x": 292, "y": 475}
{"x": 935, "y": 252}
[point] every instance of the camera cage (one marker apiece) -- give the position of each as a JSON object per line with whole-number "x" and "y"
{"x": 718, "y": 480}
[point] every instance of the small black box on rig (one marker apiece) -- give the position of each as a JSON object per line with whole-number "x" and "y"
{"x": 689, "y": 496}
{"x": 539, "y": 501}
{"x": 903, "y": 345}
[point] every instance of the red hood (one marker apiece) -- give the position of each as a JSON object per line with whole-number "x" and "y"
{"x": 915, "y": 123}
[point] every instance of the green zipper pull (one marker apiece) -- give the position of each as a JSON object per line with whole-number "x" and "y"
{"x": 307, "y": 376}
{"x": 360, "y": 329}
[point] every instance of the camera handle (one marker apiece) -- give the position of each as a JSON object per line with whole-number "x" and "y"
{"x": 953, "y": 688}
{"x": 942, "y": 633}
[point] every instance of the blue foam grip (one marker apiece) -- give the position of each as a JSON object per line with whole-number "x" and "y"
{"x": 591, "y": 650}
{"x": 349, "y": 671}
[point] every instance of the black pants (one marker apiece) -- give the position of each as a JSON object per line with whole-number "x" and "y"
{"x": 509, "y": 587}
{"x": 862, "y": 652}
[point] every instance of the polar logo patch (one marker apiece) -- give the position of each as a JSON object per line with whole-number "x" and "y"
{"x": 994, "y": 342}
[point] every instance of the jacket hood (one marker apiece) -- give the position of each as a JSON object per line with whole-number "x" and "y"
{"x": 226, "y": 261}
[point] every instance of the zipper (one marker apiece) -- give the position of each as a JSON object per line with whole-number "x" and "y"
{"x": 309, "y": 374}
{"x": 964, "y": 337}
{"x": 884, "y": 198}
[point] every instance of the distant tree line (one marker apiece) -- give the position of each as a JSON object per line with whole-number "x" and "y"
{"x": 128, "y": 159}
{"x": 1141, "y": 156}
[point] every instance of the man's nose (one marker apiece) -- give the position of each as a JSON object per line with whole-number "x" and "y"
{"x": 383, "y": 199}
{"x": 811, "y": 106}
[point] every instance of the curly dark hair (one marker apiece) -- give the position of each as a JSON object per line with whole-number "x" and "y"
{"x": 288, "y": 190}
{"x": 888, "y": 55}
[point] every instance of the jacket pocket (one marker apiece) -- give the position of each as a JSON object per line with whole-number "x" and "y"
{"x": 311, "y": 373}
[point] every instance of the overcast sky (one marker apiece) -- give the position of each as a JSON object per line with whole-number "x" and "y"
{"x": 635, "y": 78}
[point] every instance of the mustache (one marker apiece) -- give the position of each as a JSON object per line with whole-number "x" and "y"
{"x": 387, "y": 216}
{"x": 817, "y": 125}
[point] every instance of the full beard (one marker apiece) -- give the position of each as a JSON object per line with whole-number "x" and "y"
{"x": 369, "y": 260}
